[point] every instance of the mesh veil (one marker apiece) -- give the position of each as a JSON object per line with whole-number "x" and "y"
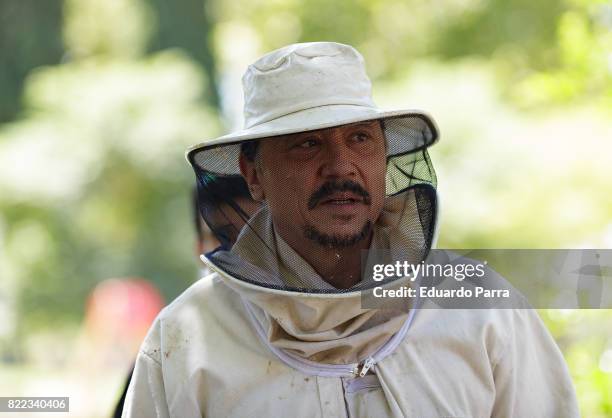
{"x": 249, "y": 249}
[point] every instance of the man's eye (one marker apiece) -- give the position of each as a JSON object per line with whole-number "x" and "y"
{"x": 361, "y": 137}
{"x": 308, "y": 143}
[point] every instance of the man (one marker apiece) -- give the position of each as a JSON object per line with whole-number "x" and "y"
{"x": 280, "y": 329}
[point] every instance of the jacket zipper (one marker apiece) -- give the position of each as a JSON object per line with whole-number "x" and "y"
{"x": 367, "y": 365}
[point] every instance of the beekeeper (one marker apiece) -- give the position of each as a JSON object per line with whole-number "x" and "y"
{"x": 280, "y": 328}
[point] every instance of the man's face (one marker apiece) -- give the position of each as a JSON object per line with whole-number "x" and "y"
{"x": 326, "y": 185}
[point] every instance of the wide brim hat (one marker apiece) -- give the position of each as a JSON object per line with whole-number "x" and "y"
{"x": 307, "y": 87}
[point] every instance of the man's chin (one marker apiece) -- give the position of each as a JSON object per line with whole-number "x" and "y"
{"x": 338, "y": 237}
{"x": 339, "y": 223}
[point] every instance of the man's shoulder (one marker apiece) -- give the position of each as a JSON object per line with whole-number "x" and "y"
{"x": 205, "y": 300}
{"x": 203, "y": 312}
{"x": 206, "y": 288}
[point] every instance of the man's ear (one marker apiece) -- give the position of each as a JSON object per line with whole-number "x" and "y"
{"x": 248, "y": 170}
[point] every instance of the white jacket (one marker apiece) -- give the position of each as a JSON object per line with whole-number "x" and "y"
{"x": 203, "y": 357}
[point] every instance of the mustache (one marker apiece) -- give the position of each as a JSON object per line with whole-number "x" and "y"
{"x": 330, "y": 187}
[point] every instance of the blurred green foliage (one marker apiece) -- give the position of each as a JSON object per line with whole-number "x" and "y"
{"x": 93, "y": 179}
{"x": 30, "y": 36}
{"x": 545, "y": 52}
{"x": 100, "y": 98}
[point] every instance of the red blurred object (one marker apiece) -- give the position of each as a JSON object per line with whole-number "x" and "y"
{"x": 122, "y": 310}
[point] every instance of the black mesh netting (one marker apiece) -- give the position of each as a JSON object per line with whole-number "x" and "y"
{"x": 363, "y": 191}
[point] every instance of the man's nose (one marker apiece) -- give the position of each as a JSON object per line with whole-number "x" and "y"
{"x": 337, "y": 160}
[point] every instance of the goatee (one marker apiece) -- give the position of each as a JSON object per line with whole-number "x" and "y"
{"x": 337, "y": 241}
